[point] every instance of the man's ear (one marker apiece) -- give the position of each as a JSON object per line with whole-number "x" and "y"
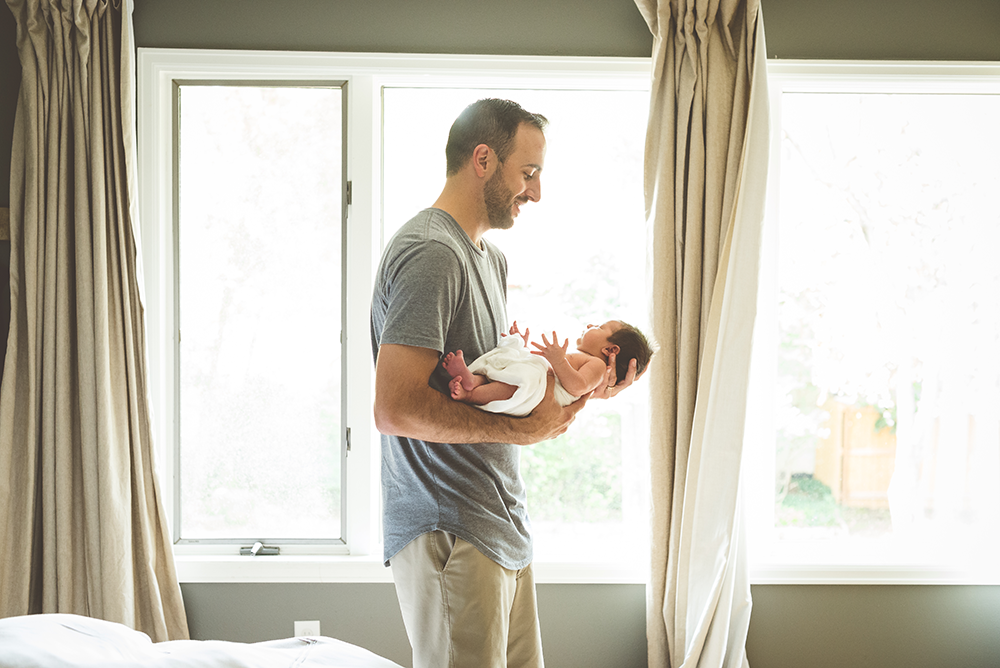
{"x": 481, "y": 159}
{"x": 614, "y": 348}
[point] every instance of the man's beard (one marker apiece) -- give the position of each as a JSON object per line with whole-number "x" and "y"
{"x": 499, "y": 200}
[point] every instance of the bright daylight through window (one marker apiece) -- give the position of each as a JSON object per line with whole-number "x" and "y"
{"x": 259, "y": 287}
{"x": 577, "y": 256}
{"x": 259, "y": 271}
{"x": 883, "y": 328}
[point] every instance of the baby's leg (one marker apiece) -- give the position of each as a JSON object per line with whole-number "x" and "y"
{"x": 473, "y": 388}
{"x": 483, "y": 393}
{"x": 458, "y": 391}
{"x": 454, "y": 364}
{"x": 492, "y": 391}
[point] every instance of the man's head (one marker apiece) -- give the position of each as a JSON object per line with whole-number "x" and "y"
{"x": 492, "y": 122}
{"x": 633, "y": 344}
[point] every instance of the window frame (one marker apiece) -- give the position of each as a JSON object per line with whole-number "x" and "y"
{"x": 834, "y": 77}
{"x": 159, "y": 72}
{"x": 288, "y": 545}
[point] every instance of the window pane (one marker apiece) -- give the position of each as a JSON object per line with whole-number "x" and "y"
{"x": 577, "y": 256}
{"x": 259, "y": 308}
{"x": 888, "y": 380}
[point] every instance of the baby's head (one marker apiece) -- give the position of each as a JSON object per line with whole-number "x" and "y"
{"x": 632, "y": 344}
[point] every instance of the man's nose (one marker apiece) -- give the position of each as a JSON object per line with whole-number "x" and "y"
{"x": 534, "y": 190}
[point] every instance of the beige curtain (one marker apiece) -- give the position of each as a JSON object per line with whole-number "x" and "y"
{"x": 706, "y": 166}
{"x": 81, "y": 518}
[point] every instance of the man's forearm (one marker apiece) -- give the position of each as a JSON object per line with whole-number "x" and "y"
{"x": 405, "y": 405}
{"x": 431, "y": 416}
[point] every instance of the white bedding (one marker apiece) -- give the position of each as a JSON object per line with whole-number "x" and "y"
{"x": 72, "y": 641}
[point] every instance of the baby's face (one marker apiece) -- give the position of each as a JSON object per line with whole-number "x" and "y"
{"x": 595, "y": 338}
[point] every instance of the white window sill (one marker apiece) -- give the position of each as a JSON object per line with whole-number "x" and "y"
{"x": 369, "y": 569}
{"x": 340, "y": 568}
{"x": 870, "y": 575}
{"x": 283, "y": 568}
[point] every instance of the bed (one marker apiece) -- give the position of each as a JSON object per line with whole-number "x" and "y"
{"x": 73, "y": 641}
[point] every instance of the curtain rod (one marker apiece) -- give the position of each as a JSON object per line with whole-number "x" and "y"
{"x": 4, "y": 224}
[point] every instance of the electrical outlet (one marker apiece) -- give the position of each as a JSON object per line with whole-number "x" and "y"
{"x": 307, "y": 628}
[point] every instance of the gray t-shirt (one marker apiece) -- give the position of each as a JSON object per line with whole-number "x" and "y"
{"x": 435, "y": 289}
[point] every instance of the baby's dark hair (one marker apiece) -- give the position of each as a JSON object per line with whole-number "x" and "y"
{"x": 633, "y": 344}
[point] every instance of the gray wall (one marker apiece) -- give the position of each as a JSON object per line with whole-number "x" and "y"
{"x": 891, "y": 626}
{"x": 603, "y": 626}
{"x": 549, "y": 27}
{"x": 582, "y": 625}
{"x": 592, "y": 625}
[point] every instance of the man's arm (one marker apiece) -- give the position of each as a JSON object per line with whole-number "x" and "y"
{"x": 405, "y": 405}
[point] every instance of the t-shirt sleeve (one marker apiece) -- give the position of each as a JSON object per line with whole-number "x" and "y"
{"x": 422, "y": 290}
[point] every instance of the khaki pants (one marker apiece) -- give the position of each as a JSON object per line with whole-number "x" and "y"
{"x": 462, "y": 609}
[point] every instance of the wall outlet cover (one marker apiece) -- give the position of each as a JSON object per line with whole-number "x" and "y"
{"x": 310, "y": 628}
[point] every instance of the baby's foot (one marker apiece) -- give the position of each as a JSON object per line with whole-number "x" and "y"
{"x": 458, "y": 393}
{"x": 454, "y": 363}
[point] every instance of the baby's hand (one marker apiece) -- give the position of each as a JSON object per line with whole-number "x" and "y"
{"x": 553, "y": 352}
{"x": 514, "y": 330}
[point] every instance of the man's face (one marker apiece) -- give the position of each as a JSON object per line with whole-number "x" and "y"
{"x": 517, "y": 180}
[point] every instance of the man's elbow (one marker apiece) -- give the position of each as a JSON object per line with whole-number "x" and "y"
{"x": 384, "y": 421}
{"x": 391, "y": 419}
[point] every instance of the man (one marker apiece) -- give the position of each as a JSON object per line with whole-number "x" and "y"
{"x": 455, "y": 524}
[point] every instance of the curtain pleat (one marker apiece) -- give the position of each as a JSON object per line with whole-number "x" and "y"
{"x": 705, "y": 175}
{"x": 80, "y": 511}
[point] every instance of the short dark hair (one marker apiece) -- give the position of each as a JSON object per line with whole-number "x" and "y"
{"x": 632, "y": 344}
{"x": 489, "y": 121}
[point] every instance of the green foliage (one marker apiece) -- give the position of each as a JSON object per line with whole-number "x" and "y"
{"x": 578, "y": 476}
{"x": 802, "y": 418}
{"x": 808, "y": 502}
{"x": 886, "y": 419}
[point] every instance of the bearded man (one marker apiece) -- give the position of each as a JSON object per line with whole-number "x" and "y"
{"x": 456, "y": 528}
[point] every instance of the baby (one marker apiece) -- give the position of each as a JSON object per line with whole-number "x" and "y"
{"x": 510, "y": 379}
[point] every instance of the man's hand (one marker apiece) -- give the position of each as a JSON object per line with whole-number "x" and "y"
{"x": 549, "y": 419}
{"x": 611, "y": 387}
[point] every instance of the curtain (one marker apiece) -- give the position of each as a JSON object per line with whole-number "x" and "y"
{"x": 705, "y": 177}
{"x": 81, "y": 517}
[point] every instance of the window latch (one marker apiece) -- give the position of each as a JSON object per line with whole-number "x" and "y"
{"x": 260, "y": 550}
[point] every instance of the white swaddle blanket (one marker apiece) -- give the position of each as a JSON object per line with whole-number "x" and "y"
{"x": 511, "y": 362}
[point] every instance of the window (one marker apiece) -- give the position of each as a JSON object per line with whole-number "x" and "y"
{"x": 258, "y": 263}
{"x": 290, "y": 363}
{"x": 877, "y": 426}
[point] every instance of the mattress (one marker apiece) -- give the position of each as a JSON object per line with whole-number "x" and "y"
{"x": 73, "y": 641}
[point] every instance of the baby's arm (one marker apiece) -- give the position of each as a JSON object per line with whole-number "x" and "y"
{"x": 579, "y": 373}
